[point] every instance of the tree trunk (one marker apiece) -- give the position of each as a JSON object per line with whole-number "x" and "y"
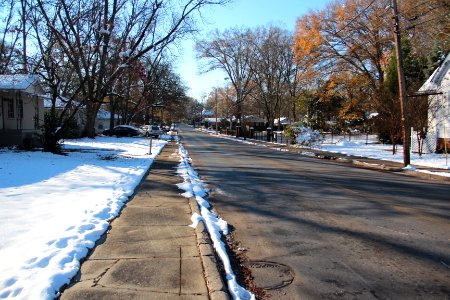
{"x": 92, "y": 109}
{"x": 294, "y": 113}
{"x": 112, "y": 109}
{"x": 394, "y": 144}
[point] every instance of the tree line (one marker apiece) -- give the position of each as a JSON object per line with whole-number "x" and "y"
{"x": 336, "y": 70}
{"x": 95, "y": 52}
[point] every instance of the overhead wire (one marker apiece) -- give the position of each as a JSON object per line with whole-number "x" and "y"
{"x": 416, "y": 6}
{"x": 355, "y": 17}
{"x": 377, "y": 27}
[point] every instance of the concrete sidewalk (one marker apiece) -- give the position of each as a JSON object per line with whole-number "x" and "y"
{"x": 150, "y": 252}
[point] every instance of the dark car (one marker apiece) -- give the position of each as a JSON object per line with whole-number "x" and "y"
{"x": 123, "y": 130}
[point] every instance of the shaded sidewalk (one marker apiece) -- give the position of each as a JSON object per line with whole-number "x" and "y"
{"x": 150, "y": 252}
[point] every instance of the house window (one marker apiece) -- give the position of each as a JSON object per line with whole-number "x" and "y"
{"x": 10, "y": 105}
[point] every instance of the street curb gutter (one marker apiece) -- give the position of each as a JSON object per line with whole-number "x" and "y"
{"x": 216, "y": 287}
{"x": 320, "y": 154}
{"x": 401, "y": 170}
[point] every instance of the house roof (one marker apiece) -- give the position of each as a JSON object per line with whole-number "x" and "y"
{"x": 60, "y": 103}
{"x": 255, "y": 119}
{"x": 213, "y": 119}
{"x": 104, "y": 114}
{"x": 207, "y": 112}
{"x": 17, "y": 81}
{"x": 440, "y": 78}
{"x": 283, "y": 120}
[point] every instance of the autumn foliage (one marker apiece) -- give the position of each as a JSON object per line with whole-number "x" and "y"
{"x": 346, "y": 49}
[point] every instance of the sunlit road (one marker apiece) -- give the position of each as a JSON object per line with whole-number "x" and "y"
{"x": 344, "y": 232}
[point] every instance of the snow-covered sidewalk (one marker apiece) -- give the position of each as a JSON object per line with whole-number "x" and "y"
{"x": 53, "y": 208}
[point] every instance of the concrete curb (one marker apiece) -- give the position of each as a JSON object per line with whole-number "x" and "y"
{"x": 373, "y": 164}
{"x": 216, "y": 286}
{"x": 416, "y": 173}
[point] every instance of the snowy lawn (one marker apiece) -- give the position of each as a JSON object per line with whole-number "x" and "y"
{"x": 357, "y": 146}
{"x": 370, "y": 148}
{"x": 53, "y": 208}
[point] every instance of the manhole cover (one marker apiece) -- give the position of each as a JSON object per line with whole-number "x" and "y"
{"x": 270, "y": 275}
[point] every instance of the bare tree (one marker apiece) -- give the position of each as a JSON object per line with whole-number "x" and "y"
{"x": 294, "y": 70}
{"x": 10, "y": 33}
{"x": 232, "y": 51}
{"x": 101, "y": 39}
{"x": 272, "y": 45}
{"x": 163, "y": 88}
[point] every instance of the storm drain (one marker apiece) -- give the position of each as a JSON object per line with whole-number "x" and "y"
{"x": 270, "y": 275}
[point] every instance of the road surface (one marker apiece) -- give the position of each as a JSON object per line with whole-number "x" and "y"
{"x": 320, "y": 229}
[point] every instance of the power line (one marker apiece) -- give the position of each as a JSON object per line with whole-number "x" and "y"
{"x": 421, "y": 23}
{"x": 416, "y": 6}
{"x": 430, "y": 8}
{"x": 355, "y": 17}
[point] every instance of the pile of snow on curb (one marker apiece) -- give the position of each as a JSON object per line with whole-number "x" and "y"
{"x": 193, "y": 187}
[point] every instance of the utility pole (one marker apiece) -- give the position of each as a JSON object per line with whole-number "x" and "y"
{"x": 215, "y": 98}
{"x": 401, "y": 85}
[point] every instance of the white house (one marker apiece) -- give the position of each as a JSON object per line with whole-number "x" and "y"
{"x": 103, "y": 119}
{"x": 438, "y": 89}
{"x": 21, "y": 110}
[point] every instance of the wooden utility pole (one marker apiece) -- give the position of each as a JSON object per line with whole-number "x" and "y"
{"x": 401, "y": 85}
{"x": 215, "y": 98}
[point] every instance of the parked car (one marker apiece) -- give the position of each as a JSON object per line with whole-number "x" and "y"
{"x": 152, "y": 130}
{"x": 123, "y": 130}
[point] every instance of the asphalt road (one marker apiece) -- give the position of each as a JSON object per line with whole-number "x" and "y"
{"x": 318, "y": 229}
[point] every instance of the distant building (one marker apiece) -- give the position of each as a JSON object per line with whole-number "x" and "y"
{"x": 439, "y": 106}
{"x": 64, "y": 104}
{"x": 284, "y": 121}
{"x": 21, "y": 111}
{"x": 255, "y": 123}
{"x": 103, "y": 120}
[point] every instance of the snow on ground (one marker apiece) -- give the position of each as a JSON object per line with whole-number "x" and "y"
{"x": 356, "y": 146}
{"x": 53, "y": 208}
{"x": 194, "y": 187}
{"x": 369, "y": 147}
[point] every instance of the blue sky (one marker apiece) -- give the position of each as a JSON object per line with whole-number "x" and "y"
{"x": 238, "y": 13}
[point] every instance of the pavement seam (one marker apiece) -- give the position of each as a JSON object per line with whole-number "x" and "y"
{"x": 98, "y": 278}
{"x": 180, "y": 275}
{"x": 217, "y": 289}
{"x": 147, "y": 290}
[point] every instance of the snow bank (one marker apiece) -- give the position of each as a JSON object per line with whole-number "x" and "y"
{"x": 193, "y": 186}
{"x": 306, "y": 136}
{"x": 345, "y": 143}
